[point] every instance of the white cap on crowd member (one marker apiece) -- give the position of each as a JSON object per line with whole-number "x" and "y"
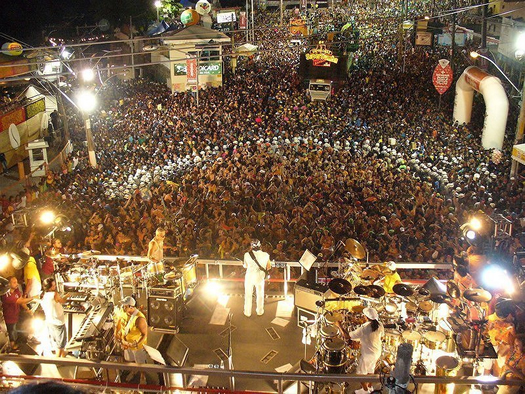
{"x": 130, "y": 301}
{"x": 371, "y": 313}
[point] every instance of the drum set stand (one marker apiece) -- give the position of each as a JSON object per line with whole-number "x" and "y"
{"x": 419, "y": 315}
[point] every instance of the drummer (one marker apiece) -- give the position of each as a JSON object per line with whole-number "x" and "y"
{"x": 370, "y": 335}
{"x": 391, "y": 277}
{"x": 156, "y": 246}
{"x": 501, "y": 330}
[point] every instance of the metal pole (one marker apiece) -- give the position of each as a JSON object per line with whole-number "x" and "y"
{"x": 132, "y": 46}
{"x": 519, "y": 131}
{"x": 253, "y": 22}
{"x": 198, "y": 70}
{"x": 247, "y": 22}
{"x": 281, "y": 4}
{"x": 90, "y": 143}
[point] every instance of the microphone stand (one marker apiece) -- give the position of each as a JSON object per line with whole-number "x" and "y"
{"x": 230, "y": 351}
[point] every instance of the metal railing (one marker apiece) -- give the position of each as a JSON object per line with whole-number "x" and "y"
{"x": 231, "y": 375}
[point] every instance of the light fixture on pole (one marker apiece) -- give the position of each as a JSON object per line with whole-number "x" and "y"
{"x": 158, "y": 4}
{"x": 475, "y": 55}
{"x": 87, "y": 102}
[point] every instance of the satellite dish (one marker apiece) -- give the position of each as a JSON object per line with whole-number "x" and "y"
{"x": 44, "y": 122}
{"x": 103, "y": 25}
{"x": 14, "y": 136}
{"x": 149, "y": 48}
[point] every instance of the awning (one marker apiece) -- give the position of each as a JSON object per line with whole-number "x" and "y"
{"x": 518, "y": 153}
{"x": 246, "y": 49}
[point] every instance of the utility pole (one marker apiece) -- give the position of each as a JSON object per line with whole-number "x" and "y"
{"x": 453, "y": 43}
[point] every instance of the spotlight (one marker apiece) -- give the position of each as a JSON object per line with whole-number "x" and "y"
{"x": 495, "y": 277}
{"x": 88, "y": 75}
{"x": 5, "y": 259}
{"x": 47, "y": 217}
{"x": 472, "y": 234}
{"x": 37, "y": 324}
{"x": 213, "y": 288}
{"x": 475, "y": 223}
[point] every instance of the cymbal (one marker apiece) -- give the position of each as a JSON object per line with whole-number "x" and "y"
{"x": 375, "y": 291}
{"x": 370, "y": 274}
{"x": 355, "y": 248}
{"x": 403, "y": 289}
{"x": 361, "y": 290}
{"x": 172, "y": 275}
{"x": 4, "y": 285}
{"x": 477, "y": 295}
{"x": 340, "y": 286}
{"x": 439, "y": 298}
{"x": 453, "y": 289}
{"x": 426, "y": 306}
{"x": 422, "y": 292}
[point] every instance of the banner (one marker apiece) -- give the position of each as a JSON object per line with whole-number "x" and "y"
{"x": 16, "y": 117}
{"x": 243, "y": 20}
{"x": 443, "y": 76}
{"x": 208, "y": 68}
{"x": 304, "y": 4}
{"x": 35, "y": 108}
{"x": 191, "y": 70}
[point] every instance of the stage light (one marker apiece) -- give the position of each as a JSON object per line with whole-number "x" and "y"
{"x": 487, "y": 378}
{"x": 37, "y": 324}
{"x": 475, "y": 224}
{"x": 213, "y": 288}
{"x": 88, "y": 75}
{"x": 47, "y": 217}
{"x": 5, "y": 260}
{"x": 495, "y": 277}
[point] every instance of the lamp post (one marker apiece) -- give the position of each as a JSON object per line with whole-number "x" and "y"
{"x": 87, "y": 103}
{"x": 475, "y": 55}
{"x": 158, "y": 4}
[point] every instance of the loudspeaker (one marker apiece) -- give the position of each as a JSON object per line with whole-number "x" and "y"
{"x": 306, "y": 294}
{"x": 177, "y": 352}
{"x": 165, "y": 310}
{"x": 29, "y": 369}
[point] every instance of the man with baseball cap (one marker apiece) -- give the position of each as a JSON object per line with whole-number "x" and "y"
{"x": 134, "y": 333}
{"x": 391, "y": 277}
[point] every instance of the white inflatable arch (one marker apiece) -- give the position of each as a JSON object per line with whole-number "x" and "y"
{"x": 496, "y": 103}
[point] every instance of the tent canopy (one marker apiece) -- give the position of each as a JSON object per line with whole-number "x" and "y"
{"x": 246, "y": 49}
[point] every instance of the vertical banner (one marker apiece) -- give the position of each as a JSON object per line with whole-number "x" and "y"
{"x": 243, "y": 20}
{"x": 191, "y": 70}
{"x": 442, "y": 76}
{"x": 304, "y": 4}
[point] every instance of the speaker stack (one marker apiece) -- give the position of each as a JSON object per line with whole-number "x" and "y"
{"x": 165, "y": 307}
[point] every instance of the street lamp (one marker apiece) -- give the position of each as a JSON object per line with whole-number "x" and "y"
{"x": 158, "y": 4}
{"x": 475, "y": 55}
{"x": 87, "y": 102}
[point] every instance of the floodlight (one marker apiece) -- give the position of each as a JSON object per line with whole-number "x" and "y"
{"x": 47, "y": 217}
{"x": 88, "y": 74}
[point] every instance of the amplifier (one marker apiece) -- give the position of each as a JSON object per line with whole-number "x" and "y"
{"x": 169, "y": 292}
{"x": 306, "y": 294}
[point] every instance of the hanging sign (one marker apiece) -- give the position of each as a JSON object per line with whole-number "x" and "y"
{"x": 443, "y": 76}
{"x": 191, "y": 70}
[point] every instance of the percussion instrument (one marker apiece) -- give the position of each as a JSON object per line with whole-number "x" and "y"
{"x": 426, "y": 306}
{"x": 390, "y": 307}
{"x": 126, "y": 274}
{"x": 332, "y": 317}
{"x": 360, "y": 290}
{"x": 375, "y": 291}
{"x": 172, "y": 275}
{"x": 411, "y": 335}
{"x": 477, "y": 295}
{"x": 355, "y": 249}
{"x": 189, "y": 277}
{"x": 75, "y": 275}
{"x": 469, "y": 338}
{"x": 340, "y": 286}
{"x": 432, "y": 339}
{"x": 411, "y": 307}
{"x": 329, "y": 331}
{"x": 453, "y": 289}
{"x": 370, "y": 275}
{"x": 334, "y": 355}
{"x": 439, "y": 298}
{"x": 403, "y": 289}
{"x": 114, "y": 271}
{"x": 445, "y": 365}
{"x": 423, "y": 293}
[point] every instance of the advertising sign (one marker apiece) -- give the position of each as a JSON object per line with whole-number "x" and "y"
{"x": 243, "y": 20}
{"x": 226, "y": 17}
{"x": 191, "y": 70}
{"x": 208, "y": 68}
{"x": 443, "y": 76}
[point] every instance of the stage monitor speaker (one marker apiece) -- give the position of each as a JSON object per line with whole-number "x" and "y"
{"x": 177, "y": 352}
{"x": 306, "y": 294}
{"x": 165, "y": 312}
{"x": 29, "y": 369}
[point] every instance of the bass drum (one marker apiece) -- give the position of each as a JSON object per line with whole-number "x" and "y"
{"x": 334, "y": 355}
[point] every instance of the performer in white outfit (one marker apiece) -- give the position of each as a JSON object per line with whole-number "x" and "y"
{"x": 370, "y": 335}
{"x": 255, "y": 277}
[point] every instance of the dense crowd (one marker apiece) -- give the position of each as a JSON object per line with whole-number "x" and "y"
{"x": 380, "y": 162}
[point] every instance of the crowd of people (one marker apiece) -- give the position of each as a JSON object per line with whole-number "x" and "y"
{"x": 379, "y": 162}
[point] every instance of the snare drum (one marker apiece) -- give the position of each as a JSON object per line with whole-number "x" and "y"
{"x": 411, "y": 336}
{"x": 445, "y": 366}
{"x": 334, "y": 355}
{"x": 433, "y": 339}
{"x": 332, "y": 317}
{"x": 426, "y": 306}
{"x": 390, "y": 308}
{"x": 329, "y": 331}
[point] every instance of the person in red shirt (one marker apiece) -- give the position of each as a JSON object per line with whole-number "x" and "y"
{"x": 52, "y": 254}
{"x": 11, "y": 303}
